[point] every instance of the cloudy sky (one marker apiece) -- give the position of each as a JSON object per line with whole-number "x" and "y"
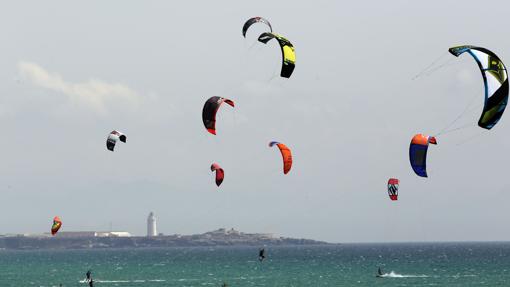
{"x": 72, "y": 72}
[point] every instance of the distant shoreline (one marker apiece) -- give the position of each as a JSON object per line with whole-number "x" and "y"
{"x": 215, "y": 238}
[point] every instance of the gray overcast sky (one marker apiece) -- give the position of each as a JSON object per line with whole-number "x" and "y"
{"x": 71, "y": 72}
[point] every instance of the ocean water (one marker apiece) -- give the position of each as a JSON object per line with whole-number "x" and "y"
{"x": 438, "y": 264}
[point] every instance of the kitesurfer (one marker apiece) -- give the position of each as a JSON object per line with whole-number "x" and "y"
{"x": 262, "y": 254}
{"x": 379, "y": 272}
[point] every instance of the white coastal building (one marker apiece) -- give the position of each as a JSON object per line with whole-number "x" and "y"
{"x": 151, "y": 225}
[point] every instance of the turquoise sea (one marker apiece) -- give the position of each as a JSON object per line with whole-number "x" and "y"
{"x": 427, "y": 264}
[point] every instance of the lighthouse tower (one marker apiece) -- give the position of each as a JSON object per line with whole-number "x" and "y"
{"x": 151, "y": 225}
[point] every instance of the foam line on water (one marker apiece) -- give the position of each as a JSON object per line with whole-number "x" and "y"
{"x": 392, "y": 274}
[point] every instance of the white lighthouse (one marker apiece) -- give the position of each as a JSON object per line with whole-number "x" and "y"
{"x": 151, "y": 225}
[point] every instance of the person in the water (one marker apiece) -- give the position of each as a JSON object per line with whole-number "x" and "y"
{"x": 379, "y": 272}
{"x": 89, "y": 278}
{"x": 262, "y": 254}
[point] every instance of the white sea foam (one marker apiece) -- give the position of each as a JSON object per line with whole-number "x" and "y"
{"x": 125, "y": 281}
{"x": 392, "y": 274}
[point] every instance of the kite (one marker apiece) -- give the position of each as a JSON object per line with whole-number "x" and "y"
{"x": 288, "y": 54}
{"x": 112, "y": 139}
{"x": 418, "y": 153}
{"x": 57, "y": 223}
{"x": 209, "y": 111}
{"x": 220, "y": 174}
{"x": 495, "y": 79}
{"x": 393, "y": 188}
{"x": 286, "y": 155}
{"x": 254, "y": 20}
